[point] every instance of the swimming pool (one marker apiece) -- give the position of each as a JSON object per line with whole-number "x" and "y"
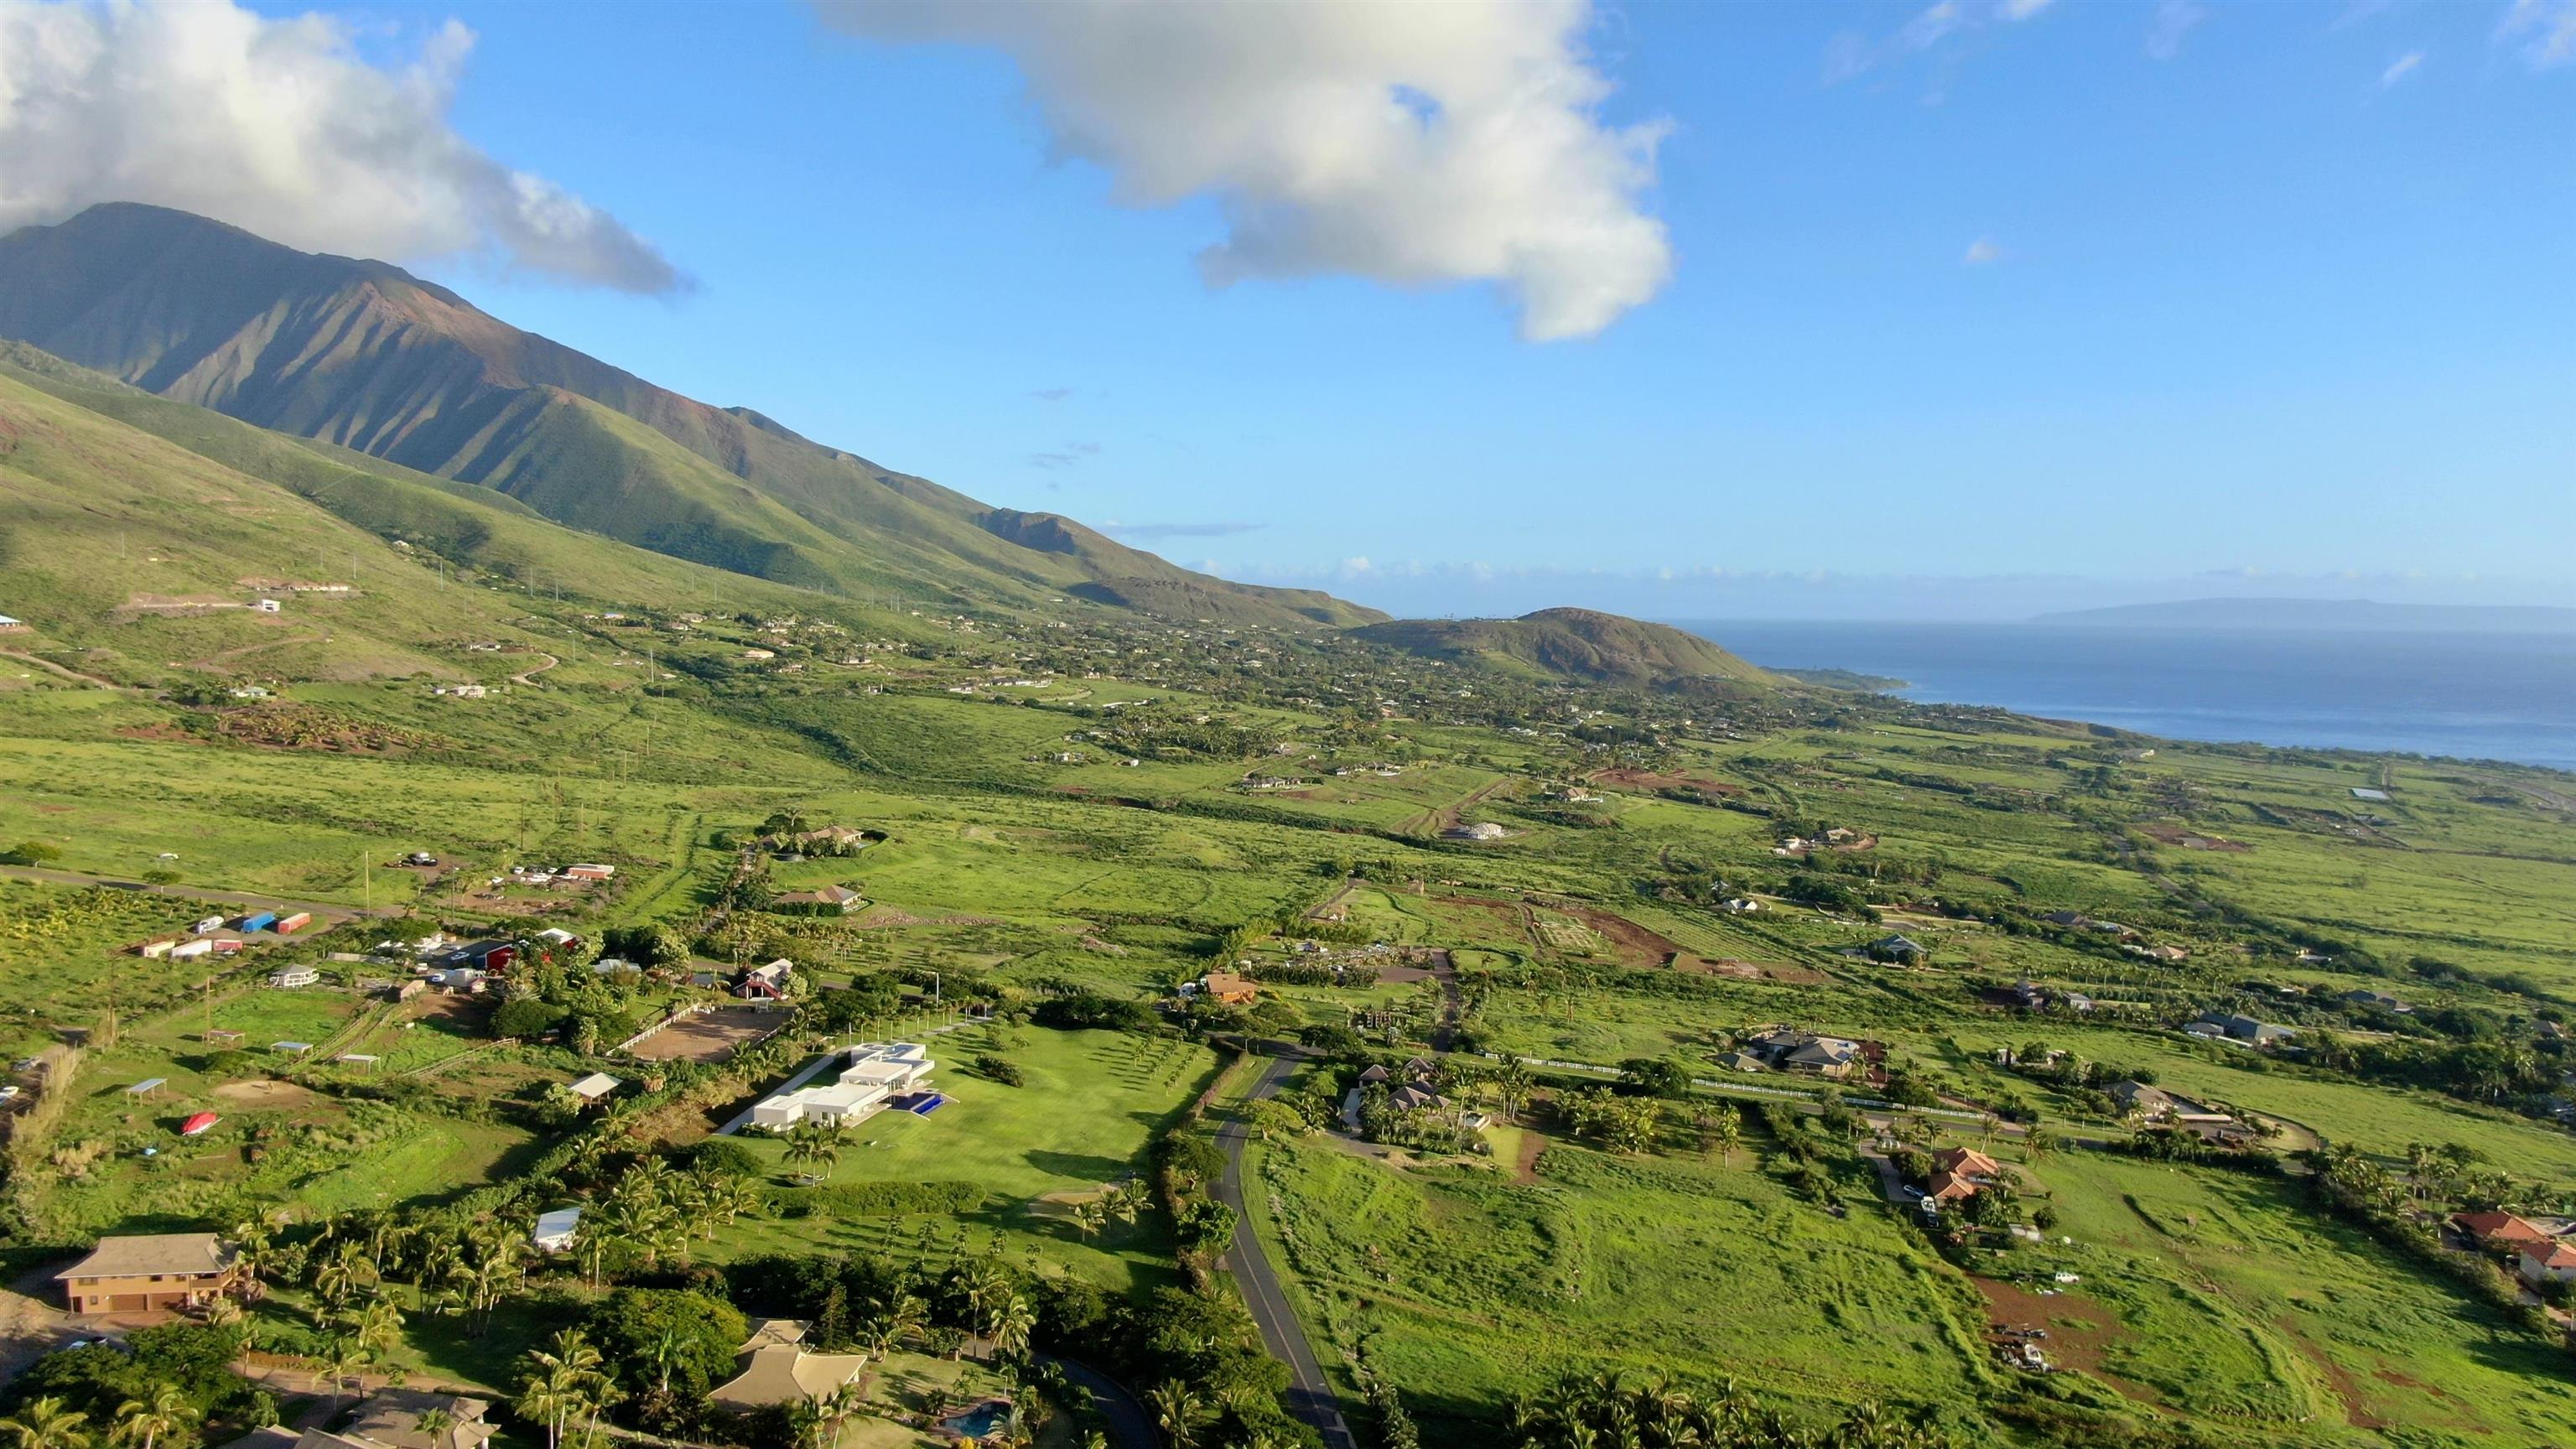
{"x": 982, "y": 1420}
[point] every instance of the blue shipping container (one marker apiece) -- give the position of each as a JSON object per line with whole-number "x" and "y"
{"x": 257, "y": 921}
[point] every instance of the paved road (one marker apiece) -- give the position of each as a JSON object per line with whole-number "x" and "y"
{"x": 334, "y": 910}
{"x": 1130, "y": 1427}
{"x": 1310, "y": 1395}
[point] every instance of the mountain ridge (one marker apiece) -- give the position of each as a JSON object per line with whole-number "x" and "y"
{"x": 364, "y": 355}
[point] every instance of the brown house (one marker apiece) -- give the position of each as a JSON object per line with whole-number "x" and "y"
{"x": 158, "y": 1271}
{"x": 1229, "y": 989}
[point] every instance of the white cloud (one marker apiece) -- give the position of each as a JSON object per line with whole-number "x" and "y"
{"x": 2543, "y": 30}
{"x": 2174, "y": 20}
{"x": 2400, "y": 68}
{"x": 1413, "y": 144}
{"x": 278, "y": 126}
{"x": 1849, "y": 53}
{"x": 1983, "y": 250}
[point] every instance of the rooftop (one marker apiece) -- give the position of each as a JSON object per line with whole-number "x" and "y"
{"x": 169, "y": 1254}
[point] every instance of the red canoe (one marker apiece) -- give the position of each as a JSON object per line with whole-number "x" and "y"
{"x": 197, "y": 1124}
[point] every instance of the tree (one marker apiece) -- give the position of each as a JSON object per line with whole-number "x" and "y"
{"x": 1177, "y": 1412}
{"x": 690, "y": 1337}
{"x": 1090, "y": 1217}
{"x": 1272, "y": 1120}
{"x": 164, "y": 1409}
{"x": 1511, "y": 1087}
{"x": 46, "y": 1423}
{"x": 1655, "y": 1077}
{"x": 1725, "y": 1131}
{"x": 812, "y": 1145}
{"x": 1012, "y": 1323}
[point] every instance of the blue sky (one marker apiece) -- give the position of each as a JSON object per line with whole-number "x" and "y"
{"x": 1966, "y": 315}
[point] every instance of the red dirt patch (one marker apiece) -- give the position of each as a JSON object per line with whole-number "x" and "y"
{"x": 2079, "y": 1330}
{"x": 1635, "y": 944}
{"x": 709, "y": 1036}
{"x": 1750, "y": 970}
{"x": 1650, "y": 780}
{"x": 1525, "y": 1161}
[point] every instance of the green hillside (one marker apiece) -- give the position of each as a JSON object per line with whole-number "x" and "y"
{"x": 365, "y": 356}
{"x": 1579, "y": 644}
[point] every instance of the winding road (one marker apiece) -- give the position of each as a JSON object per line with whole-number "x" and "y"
{"x": 1310, "y": 1395}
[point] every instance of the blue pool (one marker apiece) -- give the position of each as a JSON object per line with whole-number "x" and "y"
{"x": 984, "y": 1419}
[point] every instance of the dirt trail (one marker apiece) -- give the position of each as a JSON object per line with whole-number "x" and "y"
{"x": 57, "y": 670}
{"x": 529, "y": 676}
{"x": 240, "y": 650}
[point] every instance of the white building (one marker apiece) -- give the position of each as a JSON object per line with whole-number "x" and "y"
{"x": 556, "y": 1230}
{"x": 874, "y": 1074}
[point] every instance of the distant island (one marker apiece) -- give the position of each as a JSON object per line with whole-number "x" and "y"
{"x": 2357, "y": 616}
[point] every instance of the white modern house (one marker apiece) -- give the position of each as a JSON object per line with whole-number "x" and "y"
{"x": 873, "y": 1075}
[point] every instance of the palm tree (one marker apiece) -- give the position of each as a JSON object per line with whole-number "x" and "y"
{"x": 343, "y": 1273}
{"x": 1013, "y": 1322}
{"x": 1090, "y": 1217}
{"x": 545, "y": 1399}
{"x": 165, "y": 1410}
{"x": 1176, "y": 1412}
{"x": 433, "y": 1426}
{"x": 810, "y": 1144}
{"x": 46, "y": 1424}
{"x": 376, "y": 1327}
{"x": 339, "y": 1360}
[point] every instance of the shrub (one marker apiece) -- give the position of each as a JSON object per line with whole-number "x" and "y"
{"x": 526, "y": 1018}
{"x": 726, "y": 1157}
{"x": 1000, "y": 1069}
{"x": 877, "y": 1199}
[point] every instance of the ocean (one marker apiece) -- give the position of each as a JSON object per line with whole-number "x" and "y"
{"x": 2471, "y": 696}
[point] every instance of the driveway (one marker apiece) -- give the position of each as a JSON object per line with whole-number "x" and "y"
{"x": 1310, "y": 1395}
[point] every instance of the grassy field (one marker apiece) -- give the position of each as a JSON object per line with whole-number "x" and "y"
{"x": 1088, "y": 1104}
{"x": 2235, "y": 1303}
{"x": 1591, "y": 933}
{"x": 1466, "y": 1286}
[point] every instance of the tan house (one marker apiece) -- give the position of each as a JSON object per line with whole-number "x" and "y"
{"x": 776, "y": 1369}
{"x": 830, "y": 900}
{"x": 149, "y": 1273}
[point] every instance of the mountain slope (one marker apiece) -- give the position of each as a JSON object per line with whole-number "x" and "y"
{"x": 363, "y": 355}
{"x": 465, "y": 524}
{"x": 1570, "y": 643}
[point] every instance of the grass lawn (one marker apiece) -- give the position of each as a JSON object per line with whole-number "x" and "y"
{"x": 1089, "y": 1103}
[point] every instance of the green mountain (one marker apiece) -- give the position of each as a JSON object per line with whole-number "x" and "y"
{"x": 1572, "y": 644}
{"x": 367, "y": 357}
